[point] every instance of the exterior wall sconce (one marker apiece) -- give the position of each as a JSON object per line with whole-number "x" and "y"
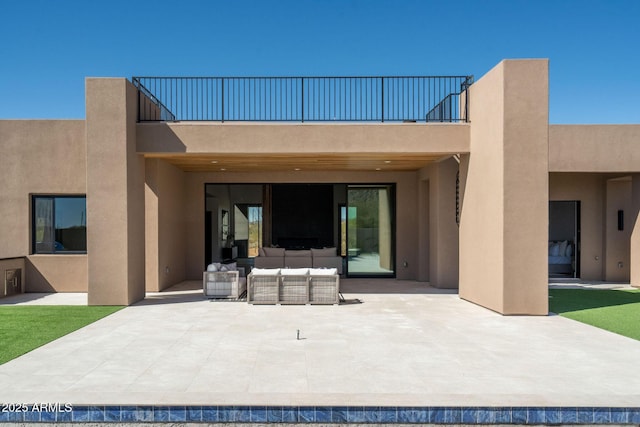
{"x": 620, "y": 220}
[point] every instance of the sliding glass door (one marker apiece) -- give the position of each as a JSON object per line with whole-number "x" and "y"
{"x": 370, "y": 230}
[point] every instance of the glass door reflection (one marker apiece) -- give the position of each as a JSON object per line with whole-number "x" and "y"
{"x": 370, "y": 230}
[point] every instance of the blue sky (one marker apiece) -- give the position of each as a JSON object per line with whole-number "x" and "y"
{"x": 49, "y": 47}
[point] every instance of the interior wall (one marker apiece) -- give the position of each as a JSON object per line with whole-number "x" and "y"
{"x": 245, "y": 194}
{"x": 224, "y": 197}
{"x": 589, "y": 189}
{"x": 212, "y": 206}
{"x": 617, "y": 258}
{"x": 218, "y": 200}
{"x": 406, "y": 213}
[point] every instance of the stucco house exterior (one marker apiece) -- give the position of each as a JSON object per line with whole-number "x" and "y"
{"x": 488, "y": 200}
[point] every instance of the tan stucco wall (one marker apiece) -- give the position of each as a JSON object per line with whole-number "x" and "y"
{"x": 634, "y": 223}
{"x": 442, "y": 235}
{"x": 594, "y": 148}
{"x": 617, "y": 247}
{"x": 165, "y": 225}
{"x": 302, "y": 138}
{"x": 424, "y": 197}
{"x": 406, "y": 213}
{"x": 481, "y": 217}
{"x": 526, "y": 194}
{"x": 56, "y": 273}
{"x": 45, "y": 157}
{"x": 506, "y": 191}
{"x": 115, "y": 194}
{"x": 589, "y": 189}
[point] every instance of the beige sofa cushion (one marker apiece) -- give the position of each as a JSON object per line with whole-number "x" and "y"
{"x": 324, "y": 252}
{"x": 297, "y": 253}
{"x": 298, "y": 261}
{"x": 268, "y": 262}
{"x": 269, "y": 252}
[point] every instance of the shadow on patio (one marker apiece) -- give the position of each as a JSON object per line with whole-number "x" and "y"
{"x": 351, "y": 289}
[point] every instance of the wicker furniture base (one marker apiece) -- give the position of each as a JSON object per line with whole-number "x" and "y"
{"x": 323, "y": 290}
{"x": 223, "y": 284}
{"x": 293, "y": 289}
{"x": 262, "y": 289}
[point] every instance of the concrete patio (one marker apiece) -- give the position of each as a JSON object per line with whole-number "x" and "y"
{"x": 392, "y": 343}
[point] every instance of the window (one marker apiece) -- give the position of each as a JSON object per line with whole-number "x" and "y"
{"x": 59, "y": 224}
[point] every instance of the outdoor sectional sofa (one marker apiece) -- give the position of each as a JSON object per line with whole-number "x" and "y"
{"x": 293, "y": 286}
{"x": 308, "y": 258}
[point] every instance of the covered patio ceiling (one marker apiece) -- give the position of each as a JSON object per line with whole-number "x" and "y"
{"x": 251, "y": 162}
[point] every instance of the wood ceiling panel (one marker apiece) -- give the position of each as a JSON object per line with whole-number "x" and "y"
{"x": 305, "y": 162}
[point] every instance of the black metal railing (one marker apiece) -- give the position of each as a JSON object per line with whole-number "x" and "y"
{"x": 300, "y": 99}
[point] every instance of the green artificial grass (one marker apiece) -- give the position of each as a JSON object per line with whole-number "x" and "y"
{"x": 24, "y": 328}
{"x": 614, "y": 310}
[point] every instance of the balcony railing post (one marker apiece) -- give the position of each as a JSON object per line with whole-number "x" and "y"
{"x": 222, "y": 90}
{"x": 302, "y": 103}
{"x": 139, "y": 115}
{"x": 382, "y": 102}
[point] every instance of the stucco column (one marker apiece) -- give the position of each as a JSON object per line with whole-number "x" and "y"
{"x": 504, "y": 217}
{"x": 423, "y": 228}
{"x": 443, "y": 230}
{"x": 634, "y": 222}
{"x": 115, "y": 194}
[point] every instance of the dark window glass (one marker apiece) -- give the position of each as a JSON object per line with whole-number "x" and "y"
{"x": 59, "y": 224}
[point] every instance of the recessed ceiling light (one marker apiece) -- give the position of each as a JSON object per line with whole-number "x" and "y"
{"x": 378, "y": 169}
{"x": 223, "y": 169}
{"x": 214, "y": 161}
{"x": 387, "y": 161}
{"x": 296, "y": 169}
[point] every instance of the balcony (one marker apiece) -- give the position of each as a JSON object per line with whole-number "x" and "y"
{"x": 304, "y": 99}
